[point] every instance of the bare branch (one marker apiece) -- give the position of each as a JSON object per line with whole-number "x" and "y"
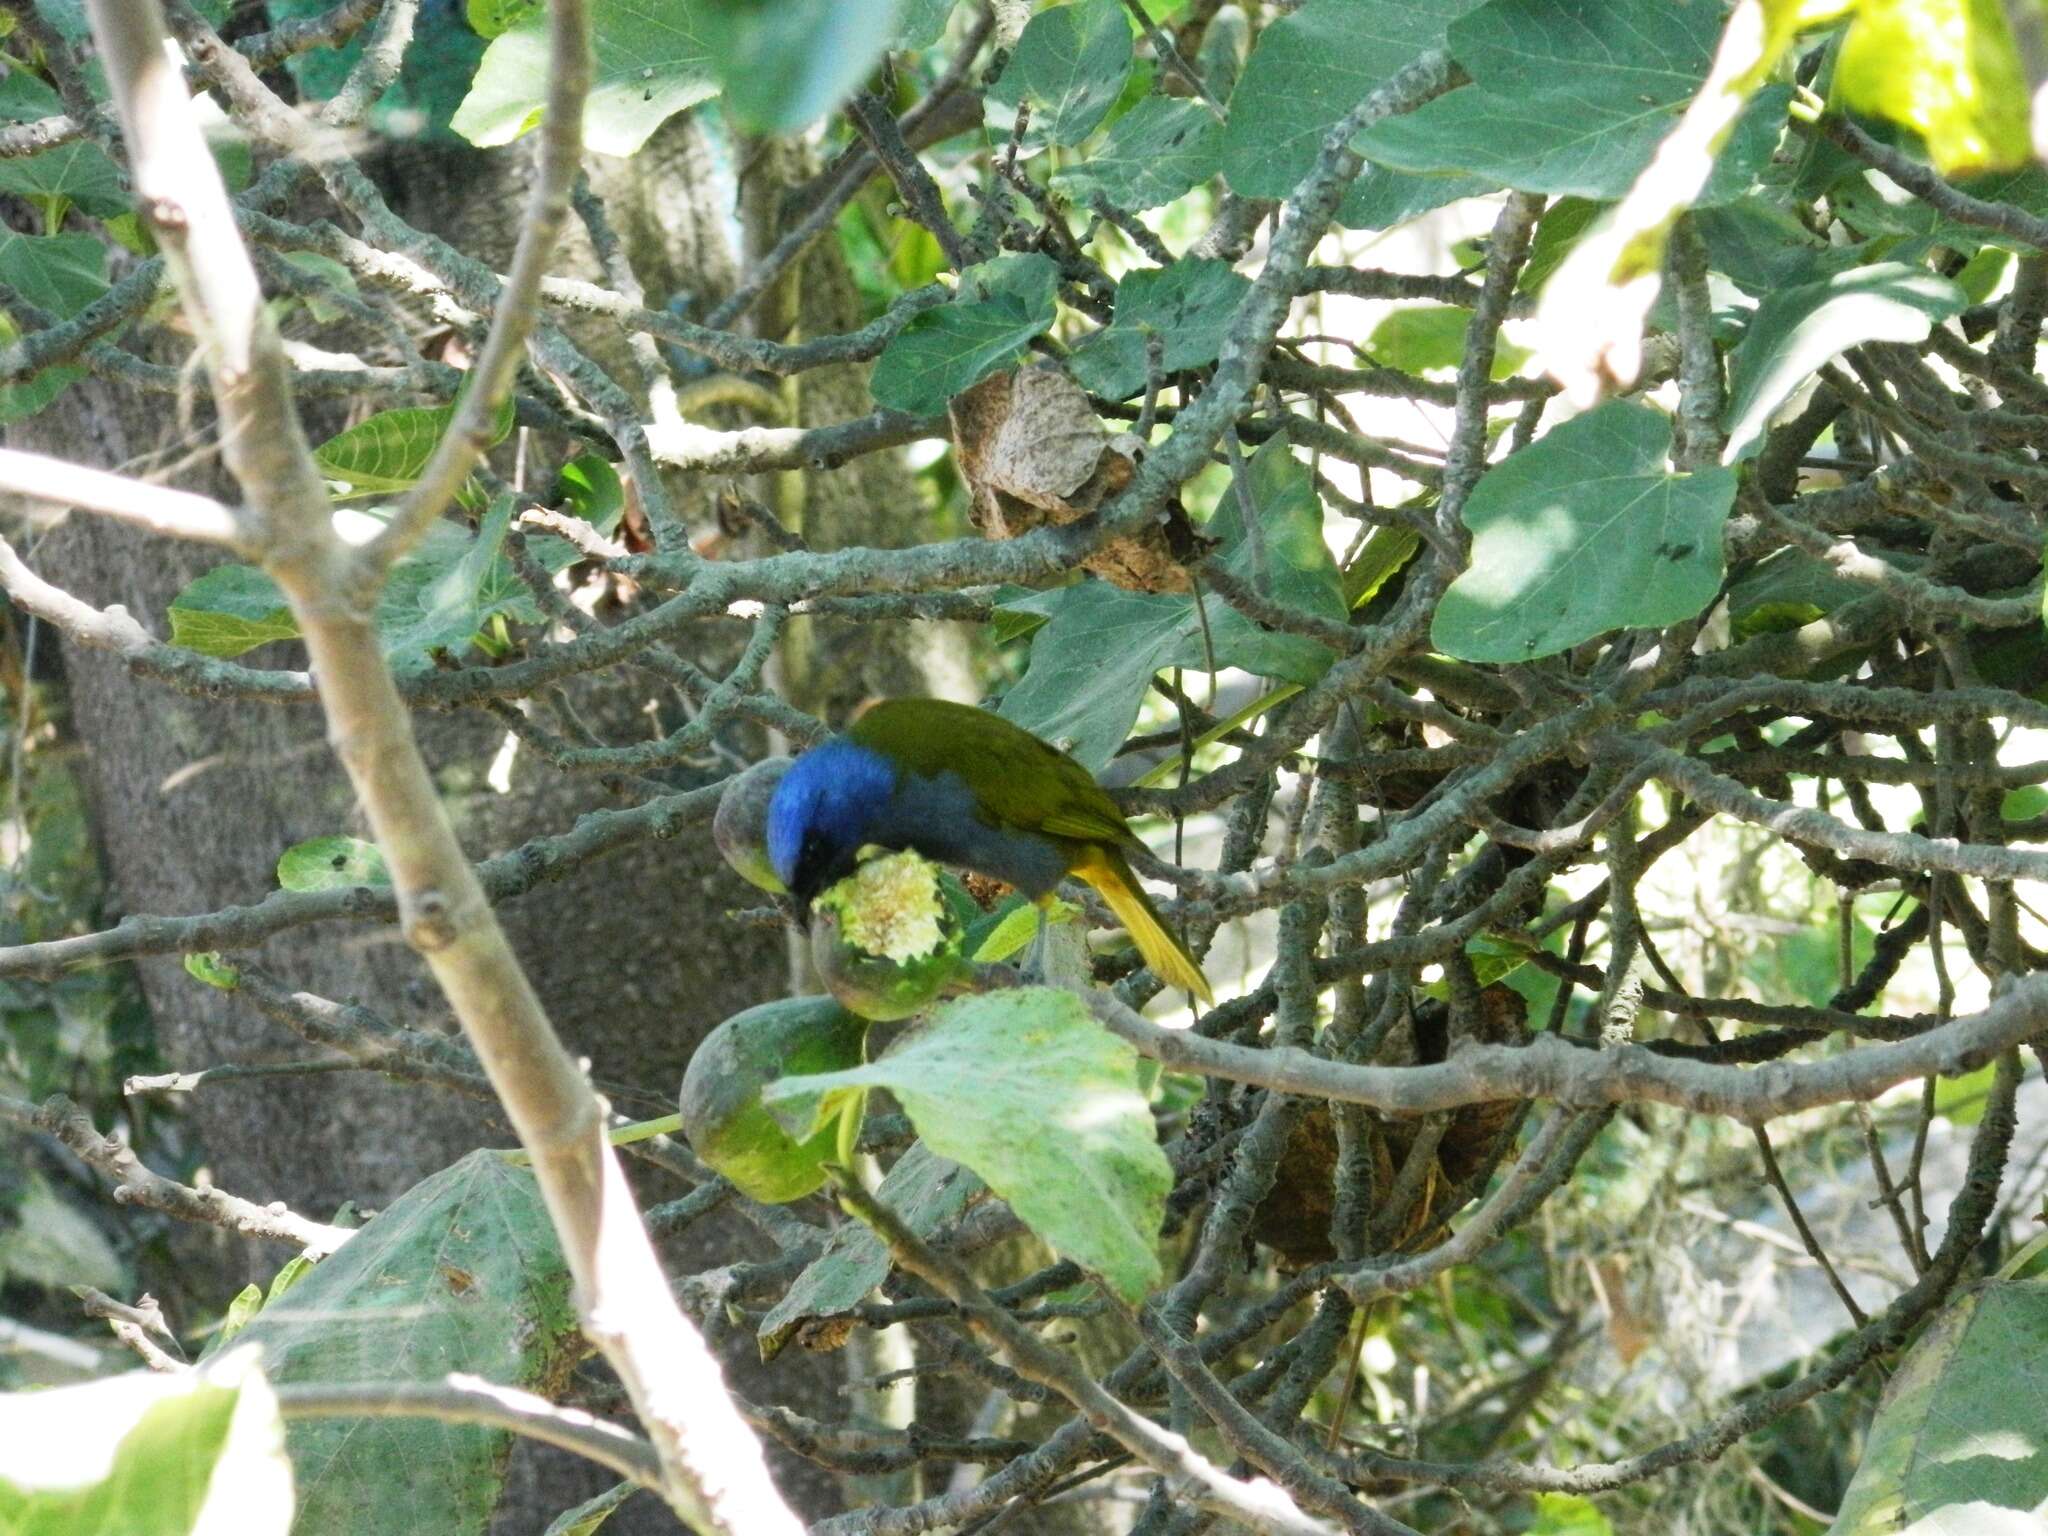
{"x": 158, "y": 508}
{"x": 134, "y": 1184}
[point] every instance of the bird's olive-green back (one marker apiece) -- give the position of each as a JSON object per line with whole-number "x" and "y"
{"x": 1018, "y": 780}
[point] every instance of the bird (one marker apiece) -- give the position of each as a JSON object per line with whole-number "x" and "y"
{"x": 964, "y": 787}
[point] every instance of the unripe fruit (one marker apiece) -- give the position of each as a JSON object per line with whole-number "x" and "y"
{"x": 723, "y": 1117}
{"x": 740, "y": 828}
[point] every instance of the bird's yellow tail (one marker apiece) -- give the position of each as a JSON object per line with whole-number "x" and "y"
{"x": 1110, "y": 874}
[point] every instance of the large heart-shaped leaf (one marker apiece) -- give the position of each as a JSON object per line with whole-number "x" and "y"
{"x": 1575, "y": 99}
{"x": 1001, "y": 305}
{"x": 1956, "y": 1444}
{"x": 461, "y": 1273}
{"x": 653, "y": 59}
{"x": 1311, "y": 68}
{"x": 1041, "y": 1101}
{"x": 1584, "y": 532}
{"x": 1151, "y": 155}
{"x": 1071, "y": 62}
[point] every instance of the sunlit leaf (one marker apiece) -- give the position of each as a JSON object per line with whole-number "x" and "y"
{"x": 331, "y": 863}
{"x": 196, "y": 1453}
{"x": 1947, "y": 69}
{"x": 651, "y": 62}
{"x": 1029, "y": 1091}
{"x": 1581, "y": 533}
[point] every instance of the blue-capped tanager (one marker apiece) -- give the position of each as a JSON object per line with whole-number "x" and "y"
{"x": 963, "y": 787}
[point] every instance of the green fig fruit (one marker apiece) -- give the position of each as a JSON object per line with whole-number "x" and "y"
{"x": 723, "y": 1117}
{"x": 886, "y": 941}
{"x": 740, "y": 827}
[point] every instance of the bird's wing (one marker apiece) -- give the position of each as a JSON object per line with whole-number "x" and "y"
{"x": 1017, "y": 780}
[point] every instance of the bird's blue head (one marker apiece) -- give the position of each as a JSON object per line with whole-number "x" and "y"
{"x": 824, "y": 812}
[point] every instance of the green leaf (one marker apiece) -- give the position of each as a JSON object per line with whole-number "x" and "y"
{"x": 786, "y": 63}
{"x": 652, "y": 59}
{"x": 1762, "y": 247}
{"x": 1381, "y": 199}
{"x": 927, "y": 1191}
{"x": 1575, "y": 99}
{"x": 1790, "y": 588}
{"x": 1795, "y": 331}
{"x": 229, "y": 610}
{"x": 453, "y": 585}
{"x": 489, "y": 18}
{"x": 586, "y": 1518}
{"x": 1568, "y": 1514}
{"x": 386, "y": 453}
{"x": 1072, "y": 61}
{"x": 459, "y": 1274}
{"x": 1152, "y": 154}
{"x": 1872, "y": 205}
{"x": 1955, "y": 1445}
{"x": 1000, "y": 306}
{"x": 58, "y": 273}
{"x": 213, "y": 968}
{"x": 1004, "y": 932}
{"x": 433, "y": 78}
{"x": 1960, "y": 1100}
{"x": 1557, "y": 236}
{"x": 1433, "y": 336}
{"x": 331, "y": 864}
{"x": 589, "y": 486}
{"x": 1188, "y": 305}
{"x": 1311, "y": 68}
{"x": 922, "y": 23}
{"x": 47, "y": 1241}
{"x": 80, "y": 172}
{"x": 1947, "y": 69}
{"x": 1582, "y": 533}
{"x": 1492, "y": 961}
{"x": 196, "y": 1453}
{"x": 1289, "y": 562}
{"x": 1095, "y": 657}
{"x": 240, "y": 1314}
{"x": 1025, "y": 1088}
{"x": 327, "y": 270}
